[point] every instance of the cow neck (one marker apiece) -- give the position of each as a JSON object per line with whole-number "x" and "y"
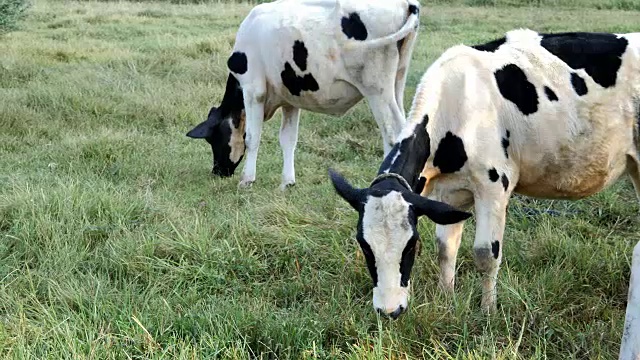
{"x": 232, "y": 101}
{"x": 406, "y": 159}
{"x": 391, "y": 176}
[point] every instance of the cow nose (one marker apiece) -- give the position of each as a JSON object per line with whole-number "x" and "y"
{"x": 218, "y": 171}
{"x": 393, "y": 314}
{"x": 396, "y": 313}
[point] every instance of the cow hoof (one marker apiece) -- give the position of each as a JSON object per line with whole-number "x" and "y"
{"x": 488, "y": 305}
{"x": 287, "y": 184}
{"x": 245, "y": 184}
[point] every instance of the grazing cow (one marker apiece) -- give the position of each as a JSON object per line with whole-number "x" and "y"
{"x": 320, "y": 55}
{"x": 544, "y": 115}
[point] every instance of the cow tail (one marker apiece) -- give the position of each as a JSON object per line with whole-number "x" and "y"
{"x": 413, "y": 20}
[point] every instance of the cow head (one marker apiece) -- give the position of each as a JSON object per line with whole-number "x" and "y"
{"x": 388, "y": 215}
{"x": 224, "y": 131}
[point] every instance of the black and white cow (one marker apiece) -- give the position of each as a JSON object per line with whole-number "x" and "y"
{"x": 544, "y": 115}
{"x": 319, "y": 55}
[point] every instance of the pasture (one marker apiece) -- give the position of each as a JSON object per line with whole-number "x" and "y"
{"x": 116, "y": 242}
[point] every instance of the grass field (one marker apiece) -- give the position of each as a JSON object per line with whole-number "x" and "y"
{"x": 597, "y": 4}
{"x": 115, "y": 242}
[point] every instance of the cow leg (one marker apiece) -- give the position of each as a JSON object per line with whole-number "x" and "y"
{"x": 448, "y": 239}
{"x": 633, "y": 169}
{"x": 388, "y": 117}
{"x": 490, "y": 213}
{"x": 630, "y": 344}
{"x": 405, "y": 51}
{"x": 288, "y": 141}
{"x": 401, "y": 78}
{"x": 254, "y": 108}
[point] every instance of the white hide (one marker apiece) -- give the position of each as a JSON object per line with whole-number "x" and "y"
{"x": 581, "y": 141}
{"x": 630, "y": 347}
{"x": 387, "y": 230}
{"x": 346, "y": 70}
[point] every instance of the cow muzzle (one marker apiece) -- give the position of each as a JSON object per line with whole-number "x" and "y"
{"x": 390, "y": 313}
{"x": 222, "y": 172}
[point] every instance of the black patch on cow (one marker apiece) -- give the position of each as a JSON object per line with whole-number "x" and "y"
{"x": 491, "y": 46}
{"x": 505, "y": 144}
{"x": 599, "y": 54}
{"x": 450, "y": 155}
{"x": 495, "y": 248}
{"x": 399, "y": 44}
{"x": 493, "y": 175}
{"x": 237, "y": 62}
{"x": 420, "y": 185}
{"x": 515, "y": 87}
{"x": 505, "y": 181}
{"x": 505, "y": 147}
{"x": 296, "y": 84}
{"x": 636, "y": 134}
{"x": 232, "y": 100}
{"x": 353, "y": 27}
{"x": 413, "y": 154}
{"x": 368, "y": 254}
{"x": 300, "y": 54}
{"x": 579, "y": 85}
{"x": 413, "y": 9}
{"x": 637, "y": 103}
{"x": 407, "y": 259}
{"x": 550, "y": 94}
{"x": 387, "y": 162}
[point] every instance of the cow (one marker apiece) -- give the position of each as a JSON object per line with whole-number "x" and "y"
{"x": 551, "y": 116}
{"x": 323, "y": 56}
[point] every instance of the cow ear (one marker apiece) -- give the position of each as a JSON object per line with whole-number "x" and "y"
{"x": 437, "y": 211}
{"x": 355, "y": 197}
{"x": 205, "y": 128}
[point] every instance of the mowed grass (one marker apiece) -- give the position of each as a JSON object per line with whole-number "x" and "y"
{"x": 597, "y": 4}
{"x": 115, "y": 241}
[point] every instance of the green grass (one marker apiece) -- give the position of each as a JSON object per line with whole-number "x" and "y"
{"x": 11, "y": 11}
{"x": 115, "y": 242}
{"x": 596, "y": 4}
